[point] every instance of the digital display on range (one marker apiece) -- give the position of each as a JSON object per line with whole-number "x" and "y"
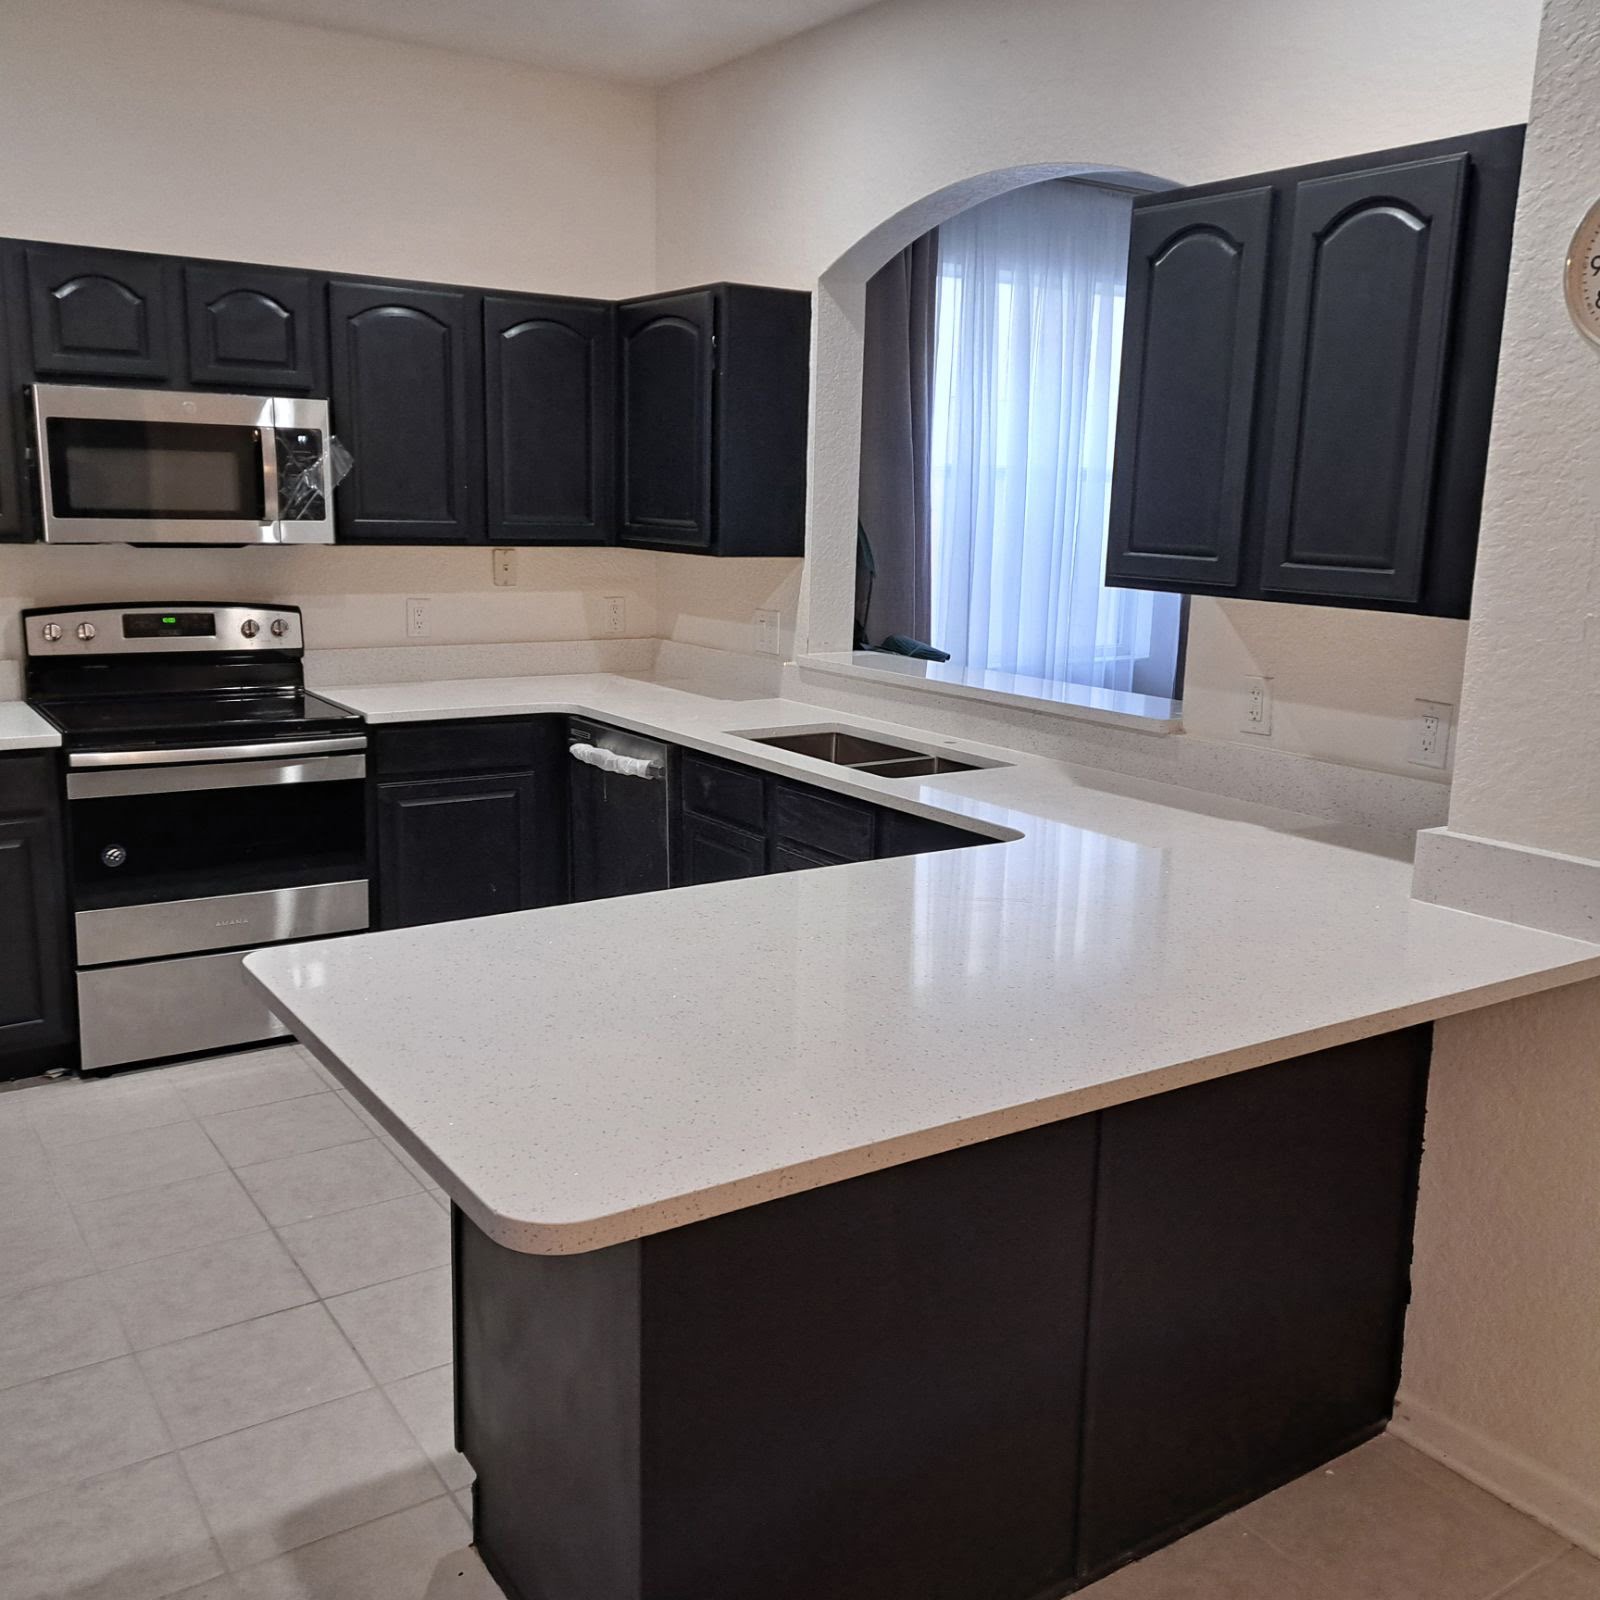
{"x": 174, "y": 624}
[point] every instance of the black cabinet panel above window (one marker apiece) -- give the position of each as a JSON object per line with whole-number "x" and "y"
{"x": 1308, "y": 365}
{"x": 1197, "y": 273}
{"x": 1370, "y": 282}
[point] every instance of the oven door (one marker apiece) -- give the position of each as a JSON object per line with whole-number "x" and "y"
{"x": 181, "y": 866}
{"x": 252, "y": 819}
{"x": 151, "y": 466}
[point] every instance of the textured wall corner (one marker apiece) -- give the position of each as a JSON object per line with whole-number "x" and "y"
{"x": 1528, "y": 746}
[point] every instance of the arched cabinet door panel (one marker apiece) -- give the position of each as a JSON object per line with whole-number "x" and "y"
{"x": 252, "y": 328}
{"x": 666, "y": 360}
{"x": 100, "y": 313}
{"x": 405, "y": 402}
{"x": 1197, "y": 274}
{"x": 548, "y": 405}
{"x": 1372, "y": 275}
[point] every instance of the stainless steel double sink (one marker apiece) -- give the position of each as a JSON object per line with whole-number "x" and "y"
{"x": 846, "y": 748}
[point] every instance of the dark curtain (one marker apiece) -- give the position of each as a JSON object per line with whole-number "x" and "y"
{"x": 896, "y": 402}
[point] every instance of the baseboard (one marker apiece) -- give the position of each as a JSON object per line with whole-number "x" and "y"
{"x": 1560, "y": 1504}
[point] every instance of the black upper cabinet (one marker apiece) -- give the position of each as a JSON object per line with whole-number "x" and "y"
{"x": 1371, "y": 285}
{"x": 253, "y": 328}
{"x": 16, "y": 520}
{"x": 711, "y": 406}
{"x": 1308, "y": 379}
{"x": 406, "y": 400}
{"x": 101, "y": 313}
{"x": 36, "y": 1018}
{"x": 548, "y": 402}
{"x": 1196, "y": 298}
{"x": 666, "y": 352}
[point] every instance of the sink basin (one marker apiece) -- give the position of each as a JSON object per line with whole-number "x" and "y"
{"x": 855, "y": 750}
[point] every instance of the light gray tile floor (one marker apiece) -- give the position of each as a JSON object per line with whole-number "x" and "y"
{"x": 224, "y": 1375}
{"x": 181, "y": 1413}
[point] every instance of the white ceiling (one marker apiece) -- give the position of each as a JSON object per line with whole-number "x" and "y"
{"x": 635, "y": 41}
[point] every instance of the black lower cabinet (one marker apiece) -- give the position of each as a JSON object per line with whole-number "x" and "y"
{"x": 713, "y": 852}
{"x": 991, "y": 1374}
{"x": 866, "y": 1391}
{"x": 468, "y": 819}
{"x": 901, "y": 834}
{"x": 467, "y": 847}
{"x": 1252, "y": 1248}
{"x": 37, "y": 1019}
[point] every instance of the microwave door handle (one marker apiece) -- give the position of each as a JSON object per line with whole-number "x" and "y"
{"x": 271, "y": 509}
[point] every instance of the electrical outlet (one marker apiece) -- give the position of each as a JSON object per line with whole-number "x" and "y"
{"x": 1257, "y": 707}
{"x": 504, "y": 568}
{"x": 418, "y": 608}
{"x": 768, "y": 630}
{"x": 1430, "y": 734}
{"x": 616, "y": 613}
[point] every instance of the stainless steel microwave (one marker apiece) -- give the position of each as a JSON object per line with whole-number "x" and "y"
{"x": 160, "y": 466}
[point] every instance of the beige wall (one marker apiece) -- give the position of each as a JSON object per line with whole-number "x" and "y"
{"x": 161, "y": 126}
{"x": 773, "y": 167}
{"x": 1502, "y": 1366}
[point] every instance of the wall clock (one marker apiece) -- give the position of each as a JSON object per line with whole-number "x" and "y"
{"x": 1583, "y": 275}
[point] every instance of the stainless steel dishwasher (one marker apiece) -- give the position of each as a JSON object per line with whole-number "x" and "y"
{"x": 619, "y": 812}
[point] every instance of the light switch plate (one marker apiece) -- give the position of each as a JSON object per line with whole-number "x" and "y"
{"x": 768, "y": 629}
{"x": 505, "y": 568}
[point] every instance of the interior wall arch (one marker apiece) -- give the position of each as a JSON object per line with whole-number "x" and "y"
{"x": 827, "y": 594}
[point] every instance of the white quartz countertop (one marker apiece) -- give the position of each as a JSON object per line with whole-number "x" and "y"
{"x": 24, "y": 729}
{"x": 582, "y": 1075}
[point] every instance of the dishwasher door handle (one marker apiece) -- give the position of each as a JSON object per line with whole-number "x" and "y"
{"x": 591, "y": 755}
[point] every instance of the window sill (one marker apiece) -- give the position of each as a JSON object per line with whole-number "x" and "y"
{"x": 1139, "y": 713}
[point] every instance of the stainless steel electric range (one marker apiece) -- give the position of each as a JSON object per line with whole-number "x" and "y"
{"x": 213, "y": 806}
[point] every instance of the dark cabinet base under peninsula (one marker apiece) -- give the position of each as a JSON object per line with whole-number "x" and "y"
{"x": 992, "y": 1374}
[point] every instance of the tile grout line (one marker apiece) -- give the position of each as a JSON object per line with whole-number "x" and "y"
{"x": 1536, "y": 1568}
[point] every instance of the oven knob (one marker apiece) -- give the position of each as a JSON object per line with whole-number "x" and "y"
{"x": 279, "y": 628}
{"x": 51, "y": 631}
{"x": 113, "y": 856}
{"x": 86, "y": 630}
{"x": 249, "y": 627}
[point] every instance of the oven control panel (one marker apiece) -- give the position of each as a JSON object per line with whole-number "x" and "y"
{"x": 125, "y": 630}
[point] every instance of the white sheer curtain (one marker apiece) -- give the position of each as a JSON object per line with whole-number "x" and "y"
{"x": 1027, "y": 345}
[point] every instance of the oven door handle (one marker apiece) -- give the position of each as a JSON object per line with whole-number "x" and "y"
{"x": 215, "y": 752}
{"x": 219, "y": 775}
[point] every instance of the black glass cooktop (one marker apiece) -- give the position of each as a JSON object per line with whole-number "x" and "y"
{"x": 147, "y": 722}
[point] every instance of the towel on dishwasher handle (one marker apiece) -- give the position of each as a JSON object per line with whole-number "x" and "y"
{"x": 609, "y": 761}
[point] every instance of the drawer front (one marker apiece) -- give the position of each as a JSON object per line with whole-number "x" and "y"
{"x": 839, "y": 828}
{"x": 450, "y": 749}
{"x": 169, "y": 1008}
{"x": 730, "y": 794}
{"x": 710, "y": 852}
